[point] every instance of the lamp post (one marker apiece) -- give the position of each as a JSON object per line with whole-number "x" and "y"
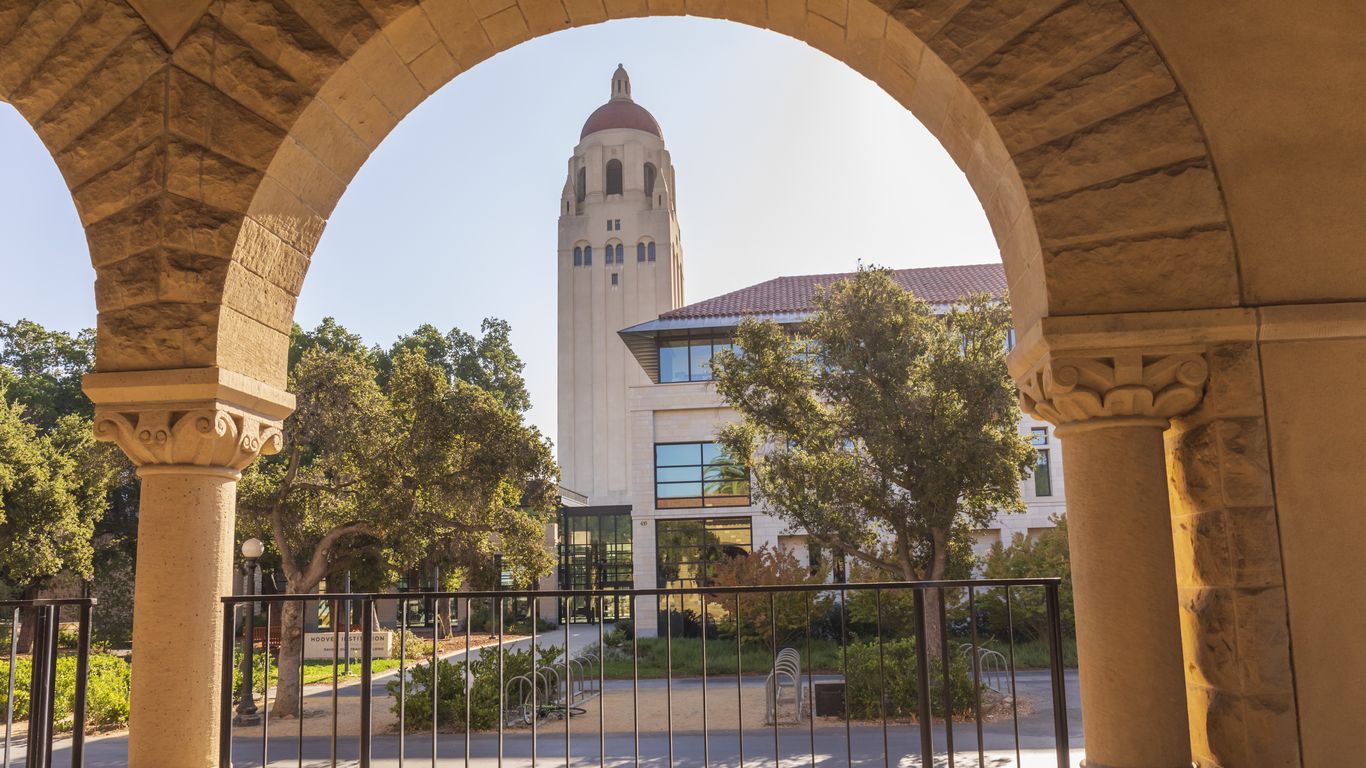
{"x": 346, "y": 627}
{"x": 246, "y": 700}
{"x": 496, "y": 615}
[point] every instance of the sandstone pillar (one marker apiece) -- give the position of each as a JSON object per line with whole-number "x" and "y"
{"x": 1111, "y": 409}
{"x": 190, "y": 433}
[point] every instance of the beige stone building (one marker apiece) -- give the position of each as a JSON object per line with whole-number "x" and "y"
{"x": 1176, "y": 190}
{"x": 638, "y": 414}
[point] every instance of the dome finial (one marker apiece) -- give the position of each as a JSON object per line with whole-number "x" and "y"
{"x": 621, "y": 84}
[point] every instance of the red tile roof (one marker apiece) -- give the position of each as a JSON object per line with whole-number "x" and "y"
{"x": 937, "y": 285}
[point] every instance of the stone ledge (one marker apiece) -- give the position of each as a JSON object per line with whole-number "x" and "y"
{"x": 1152, "y": 332}
{"x": 187, "y": 389}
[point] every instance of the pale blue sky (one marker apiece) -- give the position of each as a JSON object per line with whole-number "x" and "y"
{"x": 788, "y": 162}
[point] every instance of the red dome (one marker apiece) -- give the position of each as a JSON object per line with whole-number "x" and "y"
{"x": 621, "y": 113}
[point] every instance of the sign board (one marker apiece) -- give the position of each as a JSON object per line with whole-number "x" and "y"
{"x": 318, "y": 645}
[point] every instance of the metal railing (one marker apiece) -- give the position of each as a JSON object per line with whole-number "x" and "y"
{"x": 885, "y": 647}
{"x": 44, "y": 719}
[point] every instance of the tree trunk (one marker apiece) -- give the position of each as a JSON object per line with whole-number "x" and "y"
{"x": 939, "y": 565}
{"x": 28, "y": 619}
{"x": 291, "y": 640}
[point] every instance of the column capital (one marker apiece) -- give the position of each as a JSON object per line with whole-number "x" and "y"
{"x": 1138, "y": 368}
{"x": 211, "y": 419}
{"x": 1114, "y": 387}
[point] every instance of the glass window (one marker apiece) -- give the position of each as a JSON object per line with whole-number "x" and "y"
{"x": 613, "y": 177}
{"x": 640, "y": 252}
{"x": 1038, "y": 436}
{"x": 673, "y": 361}
{"x": 614, "y": 278}
{"x": 699, "y": 350}
{"x": 649, "y": 180}
{"x": 678, "y": 454}
{"x": 692, "y": 475}
{"x": 578, "y": 256}
{"x": 621, "y": 249}
{"x": 688, "y": 550}
{"x": 650, "y": 249}
{"x": 595, "y": 552}
{"x": 588, "y": 255}
{"x": 1043, "y": 477}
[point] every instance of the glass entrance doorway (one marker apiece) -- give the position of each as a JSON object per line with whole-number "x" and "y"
{"x": 595, "y": 553}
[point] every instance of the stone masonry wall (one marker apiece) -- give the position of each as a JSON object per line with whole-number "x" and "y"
{"x": 1234, "y": 620}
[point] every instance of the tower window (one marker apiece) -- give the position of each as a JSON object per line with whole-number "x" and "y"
{"x": 581, "y": 185}
{"x": 650, "y": 249}
{"x": 640, "y": 252}
{"x": 578, "y": 256}
{"x": 613, "y": 177}
{"x": 621, "y": 250}
{"x": 609, "y": 225}
{"x": 649, "y": 180}
{"x": 616, "y": 224}
{"x": 614, "y": 279}
{"x": 588, "y": 255}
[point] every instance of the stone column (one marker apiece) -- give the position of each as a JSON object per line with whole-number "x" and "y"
{"x": 190, "y": 433}
{"x": 1111, "y": 410}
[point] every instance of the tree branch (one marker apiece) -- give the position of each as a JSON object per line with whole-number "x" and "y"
{"x": 317, "y": 567}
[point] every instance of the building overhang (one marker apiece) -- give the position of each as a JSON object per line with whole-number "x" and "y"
{"x": 643, "y": 339}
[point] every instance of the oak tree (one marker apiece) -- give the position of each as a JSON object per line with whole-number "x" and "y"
{"x": 885, "y": 430}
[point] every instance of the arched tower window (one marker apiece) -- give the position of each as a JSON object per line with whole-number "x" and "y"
{"x": 588, "y": 255}
{"x": 613, "y": 177}
{"x": 578, "y": 256}
{"x": 621, "y": 250}
{"x": 640, "y": 252}
{"x": 649, "y": 180}
{"x": 650, "y": 249}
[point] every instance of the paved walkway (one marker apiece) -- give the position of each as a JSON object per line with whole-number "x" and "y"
{"x": 828, "y": 745}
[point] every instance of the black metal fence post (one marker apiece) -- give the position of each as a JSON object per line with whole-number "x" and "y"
{"x": 367, "y": 636}
{"x": 1059, "y": 682}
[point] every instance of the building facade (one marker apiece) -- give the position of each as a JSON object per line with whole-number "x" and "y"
{"x": 638, "y": 413}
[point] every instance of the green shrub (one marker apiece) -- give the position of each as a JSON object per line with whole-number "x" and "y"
{"x": 106, "y": 693}
{"x": 1043, "y": 555}
{"x": 451, "y": 688}
{"x": 894, "y": 679}
{"x": 621, "y": 635}
{"x": 406, "y": 641}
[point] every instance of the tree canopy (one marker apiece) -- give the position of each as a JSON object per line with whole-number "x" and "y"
{"x": 883, "y": 429}
{"x": 53, "y": 489}
{"x": 43, "y": 371}
{"x": 398, "y": 459}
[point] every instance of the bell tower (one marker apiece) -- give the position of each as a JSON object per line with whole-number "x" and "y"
{"x": 619, "y": 263}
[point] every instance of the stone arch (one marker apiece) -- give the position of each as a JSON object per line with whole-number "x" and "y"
{"x": 207, "y": 142}
{"x": 206, "y": 150}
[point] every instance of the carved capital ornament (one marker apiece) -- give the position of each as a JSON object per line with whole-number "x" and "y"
{"x": 209, "y": 437}
{"x": 1091, "y": 390}
{"x": 198, "y": 420}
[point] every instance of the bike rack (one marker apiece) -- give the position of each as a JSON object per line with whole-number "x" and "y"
{"x": 786, "y": 674}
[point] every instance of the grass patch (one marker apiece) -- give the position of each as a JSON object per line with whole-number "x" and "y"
{"x": 1033, "y": 654}
{"x": 755, "y": 658}
{"x": 320, "y": 671}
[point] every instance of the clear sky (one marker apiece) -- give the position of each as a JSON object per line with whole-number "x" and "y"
{"x": 788, "y": 163}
